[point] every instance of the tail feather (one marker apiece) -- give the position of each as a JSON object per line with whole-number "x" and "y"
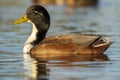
{"x": 101, "y": 41}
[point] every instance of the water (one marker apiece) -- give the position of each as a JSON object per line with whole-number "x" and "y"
{"x": 104, "y": 20}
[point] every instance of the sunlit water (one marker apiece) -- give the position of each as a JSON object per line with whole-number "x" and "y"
{"x": 103, "y": 20}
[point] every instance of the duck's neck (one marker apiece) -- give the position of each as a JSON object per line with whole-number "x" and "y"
{"x": 35, "y": 38}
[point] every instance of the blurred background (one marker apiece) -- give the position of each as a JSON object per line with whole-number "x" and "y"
{"x": 67, "y": 16}
{"x": 72, "y": 3}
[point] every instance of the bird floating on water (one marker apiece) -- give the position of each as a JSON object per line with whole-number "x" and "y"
{"x": 58, "y": 45}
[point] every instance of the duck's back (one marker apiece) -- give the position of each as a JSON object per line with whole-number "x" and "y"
{"x": 71, "y": 44}
{"x": 80, "y": 39}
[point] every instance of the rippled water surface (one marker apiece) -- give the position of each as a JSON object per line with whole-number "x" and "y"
{"x": 104, "y": 20}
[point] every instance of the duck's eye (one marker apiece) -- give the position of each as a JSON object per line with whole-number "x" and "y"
{"x": 35, "y": 12}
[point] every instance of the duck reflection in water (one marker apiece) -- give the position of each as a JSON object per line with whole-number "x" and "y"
{"x": 39, "y": 68}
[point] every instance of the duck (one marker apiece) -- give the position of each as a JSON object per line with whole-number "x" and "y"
{"x": 38, "y": 44}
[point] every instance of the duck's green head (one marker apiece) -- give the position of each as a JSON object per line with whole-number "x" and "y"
{"x": 37, "y": 15}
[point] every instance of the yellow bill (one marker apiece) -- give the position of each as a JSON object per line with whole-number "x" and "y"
{"x": 21, "y": 20}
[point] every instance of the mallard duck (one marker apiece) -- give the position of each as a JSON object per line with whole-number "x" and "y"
{"x": 58, "y": 45}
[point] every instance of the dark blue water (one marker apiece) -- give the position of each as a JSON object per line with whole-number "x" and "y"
{"x": 103, "y": 20}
